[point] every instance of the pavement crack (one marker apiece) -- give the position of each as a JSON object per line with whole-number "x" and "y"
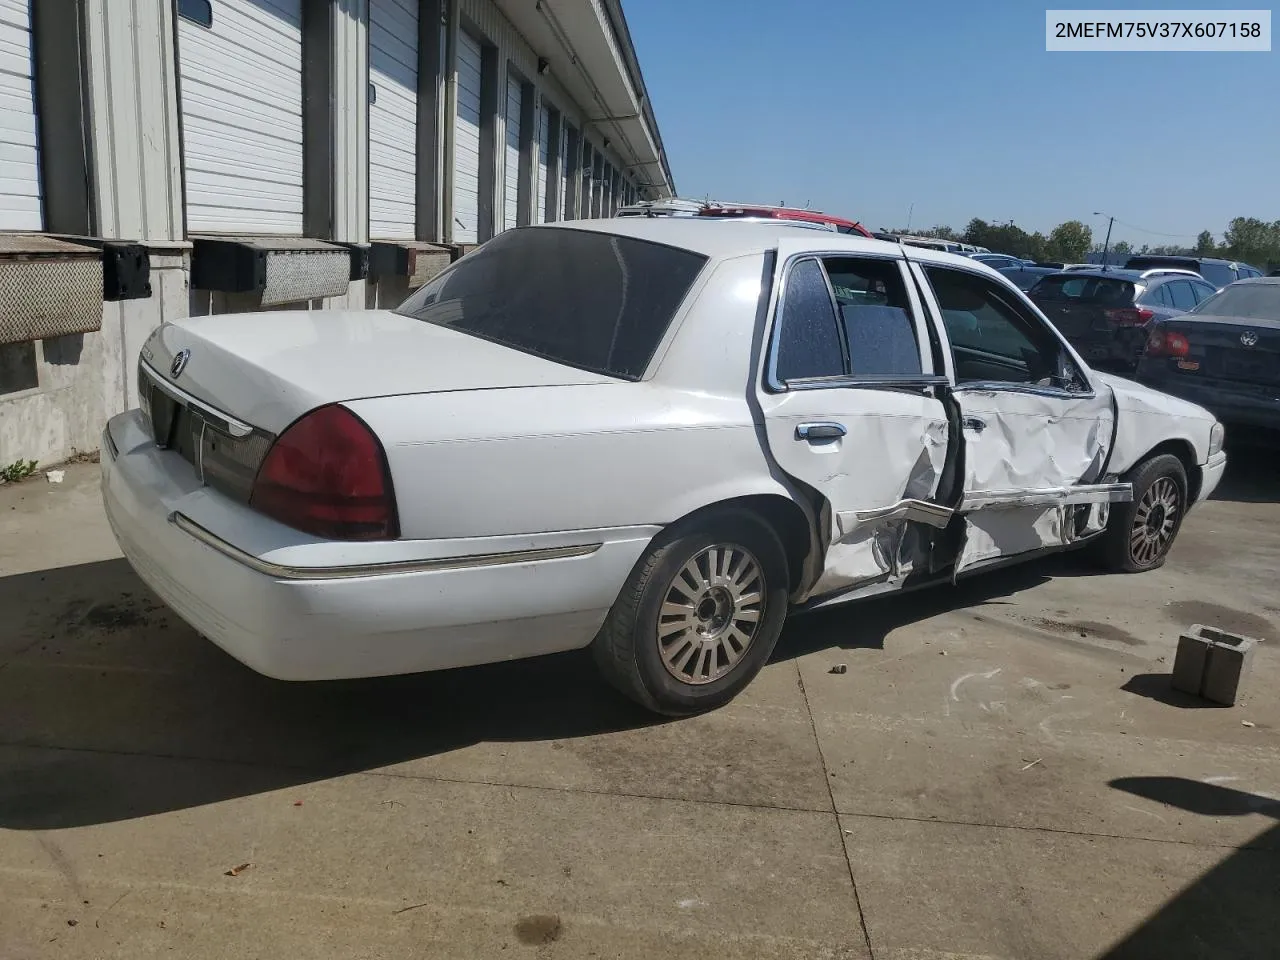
{"x": 835, "y": 813}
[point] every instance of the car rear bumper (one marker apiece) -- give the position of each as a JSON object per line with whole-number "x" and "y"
{"x": 1231, "y": 406}
{"x": 305, "y": 609}
{"x": 1116, "y": 348}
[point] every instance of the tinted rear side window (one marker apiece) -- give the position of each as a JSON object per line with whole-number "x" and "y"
{"x": 1181, "y": 294}
{"x": 808, "y": 341}
{"x": 590, "y": 300}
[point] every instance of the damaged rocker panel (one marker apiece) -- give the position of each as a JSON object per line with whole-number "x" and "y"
{"x": 1054, "y": 496}
{"x": 920, "y": 511}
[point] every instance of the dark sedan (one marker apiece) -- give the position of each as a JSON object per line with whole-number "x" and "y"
{"x": 1224, "y": 355}
{"x": 1027, "y": 276}
{"x": 1104, "y": 313}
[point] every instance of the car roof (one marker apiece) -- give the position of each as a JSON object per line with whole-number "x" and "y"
{"x": 1270, "y": 281}
{"x": 1133, "y": 276}
{"x": 734, "y": 237}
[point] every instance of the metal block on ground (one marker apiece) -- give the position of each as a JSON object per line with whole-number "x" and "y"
{"x": 1212, "y": 664}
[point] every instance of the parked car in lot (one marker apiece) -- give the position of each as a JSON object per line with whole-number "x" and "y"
{"x": 649, "y": 436}
{"x": 1224, "y": 354}
{"x": 1027, "y": 277}
{"x": 1218, "y": 272}
{"x": 1000, "y": 261}
{"x": 1104, "y": 313}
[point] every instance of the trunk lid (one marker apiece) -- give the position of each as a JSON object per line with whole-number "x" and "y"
{"x": 1244, "y": 352}
{"x": 267, "y": 369}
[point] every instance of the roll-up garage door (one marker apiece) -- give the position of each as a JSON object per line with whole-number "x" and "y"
{"x": 511, "y": 176}
{"x": 466, "y": 143}
{"x": 240, "y": 65}
{"x": 566, "y": 172}
{"x": 544, "y": 152}
{"x": 393, "y": 118}
{"x": 19, "y": 158}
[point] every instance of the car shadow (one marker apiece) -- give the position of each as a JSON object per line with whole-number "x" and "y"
{"x": 98, "y": 679}
{"x": 94, "y": 667}
{"x": 1253, "y": 473}
{"x": 866, "y": 624}
{"x": 1232, "y": 911}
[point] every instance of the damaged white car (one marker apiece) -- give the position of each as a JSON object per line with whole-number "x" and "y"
{"x": 653, "y": 437}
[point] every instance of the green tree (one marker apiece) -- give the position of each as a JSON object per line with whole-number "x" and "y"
{"x": 1069, "y": 241}
{"x": 1205, "y": 244}
{"x": 1121, "y": 248}
{"x": 1252, "y": 240}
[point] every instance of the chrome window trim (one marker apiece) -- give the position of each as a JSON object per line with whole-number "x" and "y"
{"x": 921, "y": 511}
{"x": 290, "y": 572}
{"x": 775, "y": 385}
{"x": 866, "y": 383}
{"x": 236, "y": 428}
{"x": 1000, "y": 386}
{"x": 918, "y": 270}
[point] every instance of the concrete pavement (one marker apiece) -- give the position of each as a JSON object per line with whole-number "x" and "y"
{"x": 1001, "y": 772}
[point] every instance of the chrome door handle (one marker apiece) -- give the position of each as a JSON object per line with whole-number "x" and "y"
{"x": 974, "y": 424}
{"x": 820, "y": 431}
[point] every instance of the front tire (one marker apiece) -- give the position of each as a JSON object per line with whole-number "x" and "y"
{"x": 699, "y": 616}
{"x": 1140, "y": 534}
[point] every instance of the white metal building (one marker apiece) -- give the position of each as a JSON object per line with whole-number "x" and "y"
{"x": 201, "y": 156}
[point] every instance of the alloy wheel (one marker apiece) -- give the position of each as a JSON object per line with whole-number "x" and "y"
{"x": 711, "y": 614}
{"x": 1155, "y": 521}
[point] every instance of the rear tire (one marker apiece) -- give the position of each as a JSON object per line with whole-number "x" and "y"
{"x": 699, "y": 616}
{"x": 1140, "y": 533}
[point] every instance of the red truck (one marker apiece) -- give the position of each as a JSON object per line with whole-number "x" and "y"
{"x": 785, "y": 213}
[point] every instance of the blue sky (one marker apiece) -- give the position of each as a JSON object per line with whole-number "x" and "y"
{"x": 862, "y": 108}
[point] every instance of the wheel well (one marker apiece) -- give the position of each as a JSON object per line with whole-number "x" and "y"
{"x": 1184, "y": 452}
{"x": 783, "y": 516}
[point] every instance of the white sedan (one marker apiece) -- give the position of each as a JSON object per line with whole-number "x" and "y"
{"x": 653, "y": 437}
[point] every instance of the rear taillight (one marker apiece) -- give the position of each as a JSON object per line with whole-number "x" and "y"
{"x": 327, "y": 475}
{"x": 1163, "y": 343}
{"x": 1130, "y": 316}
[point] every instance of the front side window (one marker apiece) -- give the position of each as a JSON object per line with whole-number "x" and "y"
{"x": 992, "y": 341}
{"x": 586, "y": 299}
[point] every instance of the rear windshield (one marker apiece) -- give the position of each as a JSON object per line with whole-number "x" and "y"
{"x": 1099, "y": 290}
{"x": 1248, "y": 301}
{"x": 590, "y": 300}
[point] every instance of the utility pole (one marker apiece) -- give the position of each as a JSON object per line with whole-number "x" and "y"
{"x": 910, "y": 212}
{"x": 1106, "y": 245}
